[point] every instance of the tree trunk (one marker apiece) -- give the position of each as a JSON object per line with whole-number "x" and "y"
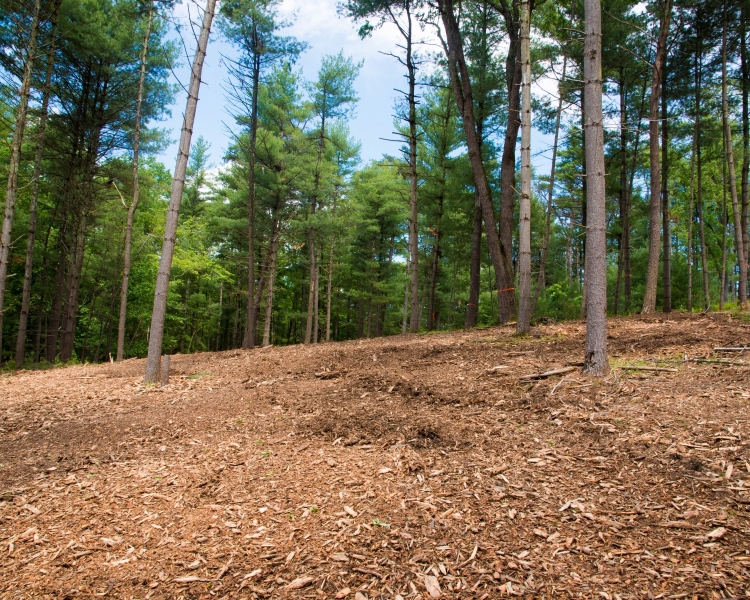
{"x": 33, "y": 208}
{"x": 461, "y": 84}
{"x": 472, "y": 306}
{"x": 739, "y": 248}
{"x": 218, "y": 324}
{"x": 406, "y": 297}
{"x": 550, "y": 193}
{"x": 414, "y": 321}
{"x": 316, "y": 324}
{"x": 652, "y": 273}
{"x": 249, "y": 338}
{"x": 507, "y": 300}
{"x": 623, "y": 186}
{"x": 159, "y": 313}
{"x": 595, "y": 361}
{"x": 275, "y": 231}
{"x": 136, "y": 195}
{"x": 691, "y": 218}
{"x": 667, "y": 235}
{"x": 15, "y": 162}
{"x": 524, "y": 238}
{"x": 311, "y": 303}
{"x": 328, "y": 293}
{"x": 724, "y": 225}
{"x": 74, "y": 284}
{"x": 745, "y": 70}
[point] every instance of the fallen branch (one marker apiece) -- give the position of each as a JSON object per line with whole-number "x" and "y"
{"x": 719, "y": 362}
{"x": 638, "y": 368}
{"x": 731, "y": 349}
{"x": 547, "y": 373}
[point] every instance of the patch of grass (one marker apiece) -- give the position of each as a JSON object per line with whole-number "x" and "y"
{"x": 379, "y": 523}
{"x": 199, "y": 375}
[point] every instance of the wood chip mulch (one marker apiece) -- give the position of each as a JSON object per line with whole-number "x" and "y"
{"x": 406, "y": 467}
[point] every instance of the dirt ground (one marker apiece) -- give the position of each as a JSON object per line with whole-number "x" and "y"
{"x": 411, "y": 467}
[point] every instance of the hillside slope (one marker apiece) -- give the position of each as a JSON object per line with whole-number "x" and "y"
{"x": 415, "y": 465}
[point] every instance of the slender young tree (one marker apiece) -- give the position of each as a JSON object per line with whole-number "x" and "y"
{"x": 595, "y": 360}
{"x": 652, "y": 273}
{"x": 11, "y": 191}
{"x": 159, "y": 313}
{"x": 524, "y": 238}
{"x": 251, "y": 25}
{"x": 33, "y": 208}
{"x": 136, "y": 192}
{"x": 738, "y": 241}
{"x": 332, "y": 97}
{"x": 540, "y": 283}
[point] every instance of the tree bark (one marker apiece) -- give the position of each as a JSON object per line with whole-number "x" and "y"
{"x": 249, "y": 338}
{"x": 729, "y": 146}
{"x": 624, "y": 225}
{"x": 595, "y": 361}
{"x": 33, "y": 208}
{"x": 652, "y": 272}
{"x": 745, "y": 70}
{"x": 507, "y": 300}
{"x": 136, "y": 194}
{"x": 275, "y": 231}
{"x": 414, "y": 321}
{"x": 178, "y": 184}
{"x": 667, "y": 235}
{"x": 472, "y": 306}
{"x": 540, "y": 282}
{"x": 328, "y": 292}
{"x": 311, "y": 303}
{"x": 691, "y": 217}
{"x": 524, "y": 238}
{"x": 406, "y": 298}
{"x": 461, "y": 84}
{"x": 14, "y": 163}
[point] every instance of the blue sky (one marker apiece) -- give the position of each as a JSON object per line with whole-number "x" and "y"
{"x": 317, "y": 23}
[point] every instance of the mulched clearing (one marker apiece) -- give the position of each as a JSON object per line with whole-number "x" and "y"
{"x": 404, "y": 467}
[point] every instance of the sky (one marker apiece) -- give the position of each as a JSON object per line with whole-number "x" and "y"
{"x": 317, "y": 23}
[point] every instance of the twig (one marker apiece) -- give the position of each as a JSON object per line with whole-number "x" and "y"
{"x": 637, "y": 368}
{"x": 547, "y": 373}
{"x": 732, "y": 349}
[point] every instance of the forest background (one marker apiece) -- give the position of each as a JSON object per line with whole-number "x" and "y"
{"x": 293, "y": 238}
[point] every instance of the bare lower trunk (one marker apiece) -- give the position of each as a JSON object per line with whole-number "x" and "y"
{"x": 136, "y": 196}
{"x": 158, "y": 315}
{"x": 745, "y": 131}
{"x": 316, "y": 326}
{"x": 691, "y": 218}
{"x": 74, "y": 285}
{"x": 507, "y": 299}
{"x": 270, "y": 286}
{"x": 249, "y": 337}
{"x": 218, "y": 323}
{"x": 666, "y": 229}
{"x": 406, "y": 297}
{"x": 738, "y": 242}
{"x": 624, "y": 225}
{"x": 472, "y": 306}
{"x": 595, "y": 361}
{"x": 328, "y": 293}
{"x": 414, "y": 321}
{"x": 14, "y": 163}
{"x": 652, "y": 272}
{"x": 33, "y": 208}
{"x": 524, "y": 238}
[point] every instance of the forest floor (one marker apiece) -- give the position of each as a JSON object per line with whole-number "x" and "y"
{"x": 412, "y": 466}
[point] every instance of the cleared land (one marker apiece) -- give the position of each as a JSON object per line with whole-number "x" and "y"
{"x": 419, "y": 466}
